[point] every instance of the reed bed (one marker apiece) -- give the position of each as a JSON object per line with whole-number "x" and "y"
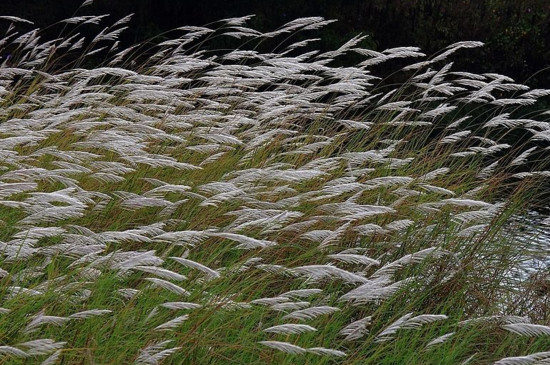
{"x": 185, "y": 205}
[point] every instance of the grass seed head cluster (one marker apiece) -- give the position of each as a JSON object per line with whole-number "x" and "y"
{"x": 238, "y": 206}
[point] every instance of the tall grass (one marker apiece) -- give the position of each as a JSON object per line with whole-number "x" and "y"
{"x": 178, "y": 205}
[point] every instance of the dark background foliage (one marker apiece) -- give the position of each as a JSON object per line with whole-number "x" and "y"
{"x": 516, "y": 32}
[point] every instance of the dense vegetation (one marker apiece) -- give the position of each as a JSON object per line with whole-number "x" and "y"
{"x": 178, "y": 204}
{"x": 516, "y": 33}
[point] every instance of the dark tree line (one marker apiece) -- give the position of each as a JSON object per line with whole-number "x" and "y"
{"x": 516, "y": 32}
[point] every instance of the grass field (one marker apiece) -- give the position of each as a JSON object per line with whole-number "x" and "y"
{"x": 180, "y": 205}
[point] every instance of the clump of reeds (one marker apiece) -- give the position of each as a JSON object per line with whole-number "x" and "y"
{"x": 198, "y": 207}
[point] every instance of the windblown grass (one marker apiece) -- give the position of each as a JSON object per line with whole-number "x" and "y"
{"x": 250, "y": 207}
